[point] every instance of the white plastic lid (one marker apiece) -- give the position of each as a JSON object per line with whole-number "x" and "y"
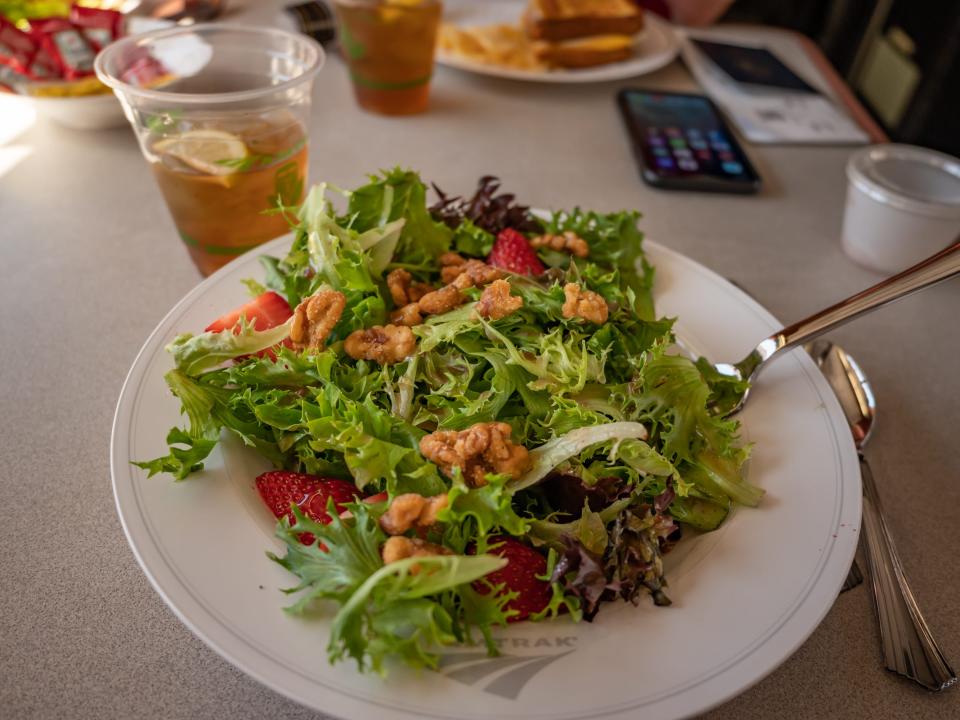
{"x": 909, "y": 178}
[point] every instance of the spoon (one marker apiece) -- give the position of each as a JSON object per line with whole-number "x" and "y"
{"x": 908, "y": 645}
{"x": 945, "y": 264}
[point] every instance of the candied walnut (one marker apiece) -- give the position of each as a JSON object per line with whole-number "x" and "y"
{"x": 402, "y": 288}
{"x": 383, "y": 343}
{"x": 452, "y": 258}
{"x": 411, "y": 511}
{"x": 442, "y": 300}
{"x": 584, "y": 304}
{"x": 408, "y": 315}
{"x": 568, "y": 241}
{"x": 315, "y": 317}
{"x": 399, "y": 547}
{"x": 496, "y": 301}
{"x": 480, "y": 449}
{"x": 477, "y": 273}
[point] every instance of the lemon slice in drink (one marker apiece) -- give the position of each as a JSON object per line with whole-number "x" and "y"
{"x": 212, "y": 152}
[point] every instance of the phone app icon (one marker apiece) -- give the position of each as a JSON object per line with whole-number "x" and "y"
{"x": 721, "y": 146}
{"x": 656, "y": 140}
{"x": 726, "y": 156}
{"x": 694, "y": 133}
{"x": 698, "y": 144}
{"x": 673, "y": 132}
{"x": 661, "y": 152}
{"x": 664, "y": 162}
{"x": 733, "y": 168}
{"x": 687, "y": 164}
{"x": 682, "y": 153}
{"x": 678, "y": 142}
{"x": 715, "y": 135}
{"x": 703, "y": 154}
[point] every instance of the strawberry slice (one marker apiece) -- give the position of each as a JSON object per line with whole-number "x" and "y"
{"x": 265, "y": 311}
{"x": 280, "y": 489}
{"x": 519, "y": 575}
{"x": 512, "y": 252}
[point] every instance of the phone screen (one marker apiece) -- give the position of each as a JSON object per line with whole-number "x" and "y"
{"x": 682, "y": 142}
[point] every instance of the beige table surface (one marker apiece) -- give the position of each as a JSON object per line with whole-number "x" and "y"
{"x": 89, "y": 263}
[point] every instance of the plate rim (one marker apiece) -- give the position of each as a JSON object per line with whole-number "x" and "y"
{"x": 840, "y": 553}
{"x": 621, "y": 70}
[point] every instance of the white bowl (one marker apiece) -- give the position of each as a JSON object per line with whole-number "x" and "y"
{"x": 86, "y": 112}
{"x": 903, "y": 205}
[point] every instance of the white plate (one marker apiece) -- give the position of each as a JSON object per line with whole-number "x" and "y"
{"x": 744, "y": 597}
{"x": 656, "y": 46}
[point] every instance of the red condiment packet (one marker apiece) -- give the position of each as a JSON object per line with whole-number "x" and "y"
{"x": 13, "y": 75}
{"x": 43, "y": 67}
{"x": 100, "y": 27}
{"x": 143, "y": 72}
{"x": 16, "y": 44}
{"x": 66, "y": 45}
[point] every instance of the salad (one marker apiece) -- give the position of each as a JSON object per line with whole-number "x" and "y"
{"x": 475, "y": 416}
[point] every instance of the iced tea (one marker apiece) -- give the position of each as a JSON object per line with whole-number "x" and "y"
{"x": 389, "y": 47}
{"x": 224, "y": 178}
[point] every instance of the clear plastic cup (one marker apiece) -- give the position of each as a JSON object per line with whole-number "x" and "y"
{"x": 221, "y": 113}
{"x": 389, "y": 48}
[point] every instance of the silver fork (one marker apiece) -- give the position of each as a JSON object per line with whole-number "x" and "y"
{"x": 945, "y": 264}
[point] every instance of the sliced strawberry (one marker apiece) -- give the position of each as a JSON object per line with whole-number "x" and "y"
{"x": 264, "y": 312}
{"x": 512, "y": 252}
{"x": 281, "y": 488}
{"x": 519, "y": 575}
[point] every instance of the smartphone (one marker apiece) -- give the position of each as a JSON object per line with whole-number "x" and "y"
{"x": 682, "y": 143}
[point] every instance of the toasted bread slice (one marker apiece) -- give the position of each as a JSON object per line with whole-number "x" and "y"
{"x": 556, "y": 20}
{"x": 585, "y": 52}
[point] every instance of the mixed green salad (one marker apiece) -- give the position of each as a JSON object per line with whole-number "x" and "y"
{"x": 475, "y": 415}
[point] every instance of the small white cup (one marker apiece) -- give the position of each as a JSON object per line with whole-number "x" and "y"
{"x": 903, "y": 205}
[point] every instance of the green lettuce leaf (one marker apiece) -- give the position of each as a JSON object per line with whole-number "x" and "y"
{"x": 195, "y": 353}
{"x": 400, "y": 195}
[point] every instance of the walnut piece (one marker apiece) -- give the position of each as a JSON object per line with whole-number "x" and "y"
{"x": 452, "y": 258}
{"x": 383, "y": 343}
{"x": 399, "y": 547}
{"x": 480, "y": 449}
{"x": 402, "y": 288}
{"x": 569, "y": 242}
{"x": 408, "y": 315}
{"x": 315, "y": 317}
{"x": 442, "y": 300}
{"x": 584, "y": 304}
{"x": 411, "y": 511}
{"x": 477, "y": 272}
{"x": 496, "y": 302}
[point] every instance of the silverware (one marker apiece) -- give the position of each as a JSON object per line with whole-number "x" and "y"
{"x": 943, "y": 265}
{"x": 821, "y": 352}
{"x": 908, "y": 645}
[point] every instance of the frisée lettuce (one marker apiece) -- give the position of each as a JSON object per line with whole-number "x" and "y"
{"x": 623, "y": 437}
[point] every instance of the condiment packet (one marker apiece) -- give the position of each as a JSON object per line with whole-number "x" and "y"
{"x": 15, "y": 43}
{"x": 66, "y": 45}
{"x": 100, "y": 27}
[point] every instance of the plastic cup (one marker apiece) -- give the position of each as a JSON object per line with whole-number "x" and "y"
{"x": 389, "y": 47}
{"x": 221, "y": 114}
{"x": 903, "y": 205}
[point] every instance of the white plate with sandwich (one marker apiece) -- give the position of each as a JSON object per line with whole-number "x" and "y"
{"x": 558, "y": 41}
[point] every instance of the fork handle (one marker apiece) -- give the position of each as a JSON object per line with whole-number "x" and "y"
{"x": 908, "y": 645}
{"x": 943, "y": 265}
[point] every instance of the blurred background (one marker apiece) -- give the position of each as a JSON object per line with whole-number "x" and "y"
{"x": 900, "y": 57}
